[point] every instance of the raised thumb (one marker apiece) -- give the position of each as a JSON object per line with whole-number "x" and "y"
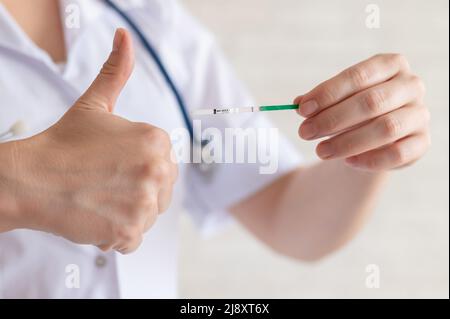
{"x": 106, "y": 88}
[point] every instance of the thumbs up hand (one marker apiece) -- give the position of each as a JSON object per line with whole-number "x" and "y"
{"x": 95, "y": 178}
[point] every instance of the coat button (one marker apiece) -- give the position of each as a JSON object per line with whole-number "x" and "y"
{"x": 100, "y": 261}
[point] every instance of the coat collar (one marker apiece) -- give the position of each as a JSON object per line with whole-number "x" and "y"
{"x": 13, "y": 38}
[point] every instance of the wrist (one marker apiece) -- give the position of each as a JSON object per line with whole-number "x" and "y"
{"x": 22, "y": 204}
{"x": 10, "y": 211}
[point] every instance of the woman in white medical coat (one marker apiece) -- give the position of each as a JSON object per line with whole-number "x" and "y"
{"x": 94, "y": 170}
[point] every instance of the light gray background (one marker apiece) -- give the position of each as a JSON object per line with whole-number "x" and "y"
{"x": 284, "y": 48}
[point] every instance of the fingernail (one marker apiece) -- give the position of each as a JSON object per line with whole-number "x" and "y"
{"x": 308, "y": 130}
{"x": 118, "y": 37}
{"x": 325, "y": 150}
{"x": 351, "y": 160}
{"x": 298, "y": 99}
{"x": 309, "y": 108}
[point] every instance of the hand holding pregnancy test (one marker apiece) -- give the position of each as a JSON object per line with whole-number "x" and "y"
{"x": 371, "y": 114}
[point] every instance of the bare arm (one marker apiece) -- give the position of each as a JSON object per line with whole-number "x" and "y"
{"x": 311, "y": 211}
{"x": 9, "y": 210}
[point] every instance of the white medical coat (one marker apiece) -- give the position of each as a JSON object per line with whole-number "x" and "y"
{"x": 37, "y": 91}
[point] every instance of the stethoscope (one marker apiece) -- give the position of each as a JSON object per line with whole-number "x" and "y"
{"x": 196, "y": 142}
{"x": 19, "y": 127}
{"x": 158, "y": 61}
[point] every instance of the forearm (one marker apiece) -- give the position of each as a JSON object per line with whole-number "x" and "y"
{"x": 311, "y": 211}
{"x": 28, "y": 193}
{"x": 9, "y": 206}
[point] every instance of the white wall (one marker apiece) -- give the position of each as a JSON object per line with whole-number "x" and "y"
{"x": 283, "y": 48}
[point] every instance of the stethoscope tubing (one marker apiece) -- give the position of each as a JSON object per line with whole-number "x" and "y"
{"x": 157, "y": 59}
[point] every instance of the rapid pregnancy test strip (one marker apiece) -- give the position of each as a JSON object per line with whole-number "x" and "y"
{"x": 249, "y": 109}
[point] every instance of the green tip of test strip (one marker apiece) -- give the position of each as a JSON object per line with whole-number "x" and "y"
{"x": 278, "y": 107}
